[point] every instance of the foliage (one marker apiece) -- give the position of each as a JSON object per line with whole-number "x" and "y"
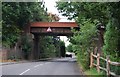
{"x": 69, "y": 48}
{"x": 86, "y": 36}
{"x": 85, "y": 42}
{"x": 49, "y": 46}
{"x": 112, "y": 35}
{"x": 62, "y": 43}
{"x": 53, "y": 17}
{"x": 56, "y": 42}
{"x": 111, "y": 38}
{"x": 88, "y": 15}
{"x": 93, "y": 73}
{"x": 80, "y": 11}
{"x": 10, "y": 35}
{"x": 26, "y": 46}
{"x": 16, "y": 15}
{"x": 62, "y": 49}
{"x": 0, "y": 32}
{"x": 83, "y": 58}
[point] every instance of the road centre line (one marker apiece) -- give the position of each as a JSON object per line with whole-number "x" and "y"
{"x": 29, "y": 69}
{"x": 47, "y": 62}
{"x": 38, "y": 65}
{"x": 42, "y": 64}
{"x": 24, "y": 72}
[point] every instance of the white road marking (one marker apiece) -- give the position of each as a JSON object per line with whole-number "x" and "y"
{"x": 24, "y": 72}
{"x": 38, "y": 65}
{"x": 47, "y": 62}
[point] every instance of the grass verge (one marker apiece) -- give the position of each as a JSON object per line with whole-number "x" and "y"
{"x": 93, "y": 73}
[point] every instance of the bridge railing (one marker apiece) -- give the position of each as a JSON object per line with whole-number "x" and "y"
{"x": 107, "y": 61}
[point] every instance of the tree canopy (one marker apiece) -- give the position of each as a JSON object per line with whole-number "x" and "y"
{"x": 16, "y": 15}
{"x": 90, "y": 16}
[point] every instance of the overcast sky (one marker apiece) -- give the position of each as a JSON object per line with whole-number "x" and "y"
{"x": 50, "y": 5}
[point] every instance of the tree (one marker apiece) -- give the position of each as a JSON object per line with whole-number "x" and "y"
{"x": 53, "y": 17}
{"x": 69, "y": 48}
{"x": 89, "y": 16}
{"x": 80, "y": 11}
{"x": 16, "y": 15}
{"x": 112, "y": 35}
{"x": 62, "y": 49}
{"x": 46, "y": 46}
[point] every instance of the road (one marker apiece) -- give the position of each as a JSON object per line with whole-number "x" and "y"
{"x": 64, "y": 66}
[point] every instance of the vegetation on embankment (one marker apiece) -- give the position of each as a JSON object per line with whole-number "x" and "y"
{"x": 99, "y": 27}
{"x": 92, "y": 72}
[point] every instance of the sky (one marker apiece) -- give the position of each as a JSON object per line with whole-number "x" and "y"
{"x": 50, "y": 5}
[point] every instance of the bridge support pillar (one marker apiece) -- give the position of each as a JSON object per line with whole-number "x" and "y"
{"x": 36, "y": 47}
